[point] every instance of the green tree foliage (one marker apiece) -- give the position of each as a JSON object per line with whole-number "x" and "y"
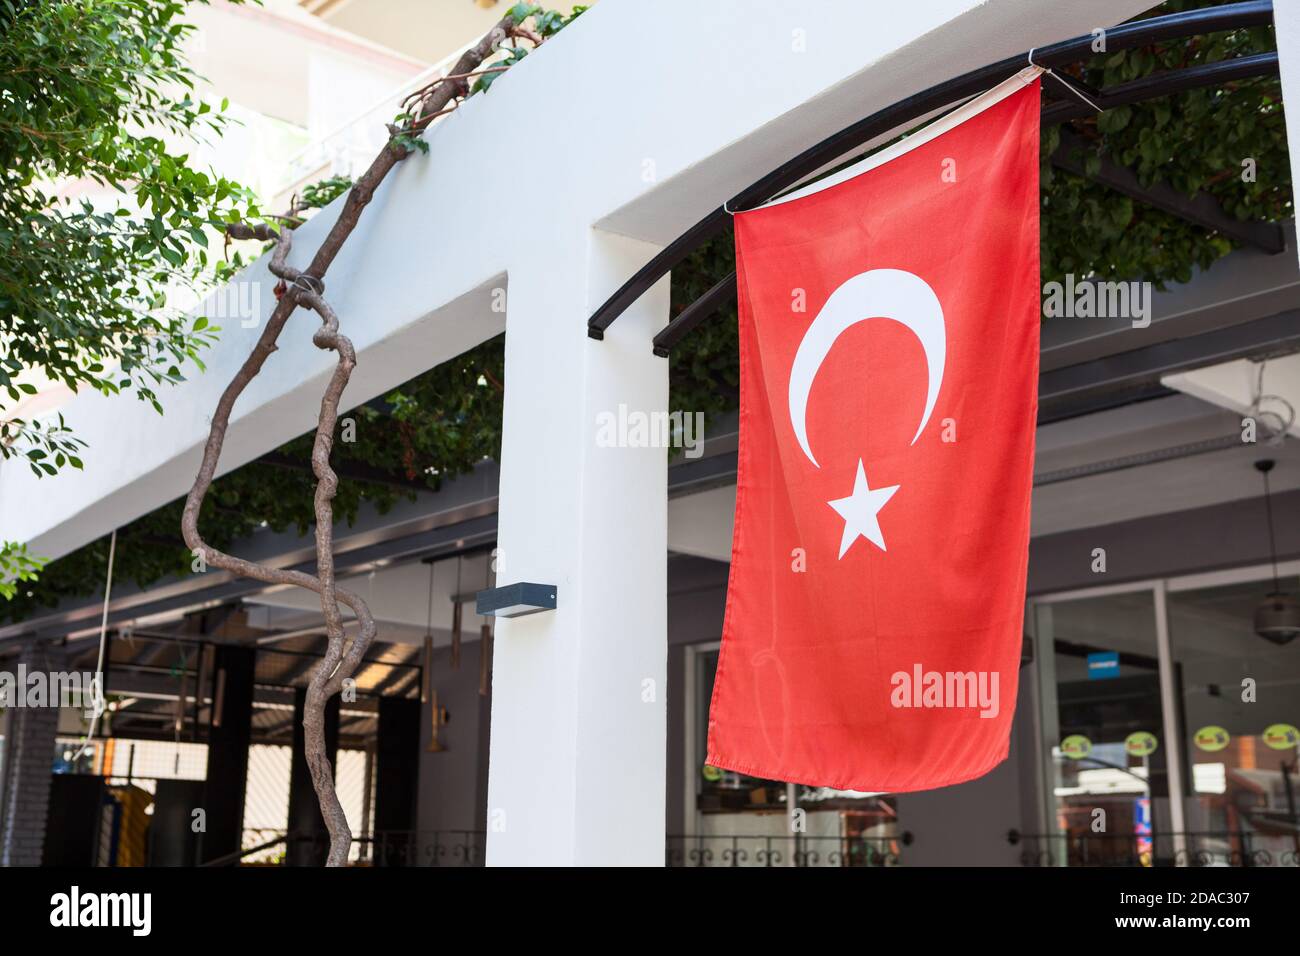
{"x": 97, "y": 92}
{"x": 545, "y": 23}
{"x": 17, "y": 565}
{"x": 1197, "y": 142}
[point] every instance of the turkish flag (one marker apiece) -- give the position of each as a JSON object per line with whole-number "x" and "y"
{"x": 889, "y": 365}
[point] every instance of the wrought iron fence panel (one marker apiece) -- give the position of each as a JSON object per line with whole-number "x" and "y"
{"x": 795, "y": 850}
{"x": 1190, "y": 849}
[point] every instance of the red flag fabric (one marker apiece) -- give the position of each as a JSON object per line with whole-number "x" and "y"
{"x": 889, "y": 365}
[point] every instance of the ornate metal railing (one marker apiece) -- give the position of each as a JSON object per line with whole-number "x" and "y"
{"x": 428, "y": 848}
{"x": 466, "y": 848}
{"x": 1194, "y": 849}
{"x": 797, "y": 851}
{"x": 385, "y": 848}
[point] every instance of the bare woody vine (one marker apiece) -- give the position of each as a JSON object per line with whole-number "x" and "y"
{"x": 306, "y": 287}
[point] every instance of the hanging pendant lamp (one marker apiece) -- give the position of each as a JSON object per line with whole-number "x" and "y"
{"x": 1277, "y": 618}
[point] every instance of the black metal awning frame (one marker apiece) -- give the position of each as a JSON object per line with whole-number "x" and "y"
{"x": 841, "y": 145}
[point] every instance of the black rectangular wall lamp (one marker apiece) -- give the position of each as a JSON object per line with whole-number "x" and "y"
{"x": 515, "y": 600}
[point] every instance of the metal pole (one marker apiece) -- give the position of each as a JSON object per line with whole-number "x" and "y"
{"x": 792, "y": 819}
{"x": 1290, "y": 806}
{"x": 1048, "y": 727}
{"x": 1173, "y": 732}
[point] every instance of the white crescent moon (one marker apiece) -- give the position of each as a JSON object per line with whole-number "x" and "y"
{"x": 878, "y": 293}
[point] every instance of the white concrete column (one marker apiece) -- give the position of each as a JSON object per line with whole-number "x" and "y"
{"x": 1286, "y": 29}
{"x": 576, "y": 769}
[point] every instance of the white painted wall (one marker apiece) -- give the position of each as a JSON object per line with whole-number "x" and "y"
{"x": 580, "y": 693}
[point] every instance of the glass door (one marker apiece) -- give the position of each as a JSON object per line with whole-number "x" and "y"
{"x": 1106, "y": 749}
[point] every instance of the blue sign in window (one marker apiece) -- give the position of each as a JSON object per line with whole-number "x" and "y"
{"x": 1103, "y": 665}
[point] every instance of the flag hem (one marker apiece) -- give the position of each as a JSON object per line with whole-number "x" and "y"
{"x": 753, "y": 771}
{"x": 967, "y": 111}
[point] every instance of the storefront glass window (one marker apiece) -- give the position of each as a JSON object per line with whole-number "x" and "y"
{"x": 1240, "y": 695}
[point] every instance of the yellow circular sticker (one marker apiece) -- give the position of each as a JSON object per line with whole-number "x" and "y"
{"x": 1281, "y": 736}
{"x": 1076, "y": 746}
{"x": 1211, "y": 739}
{"x": 711, "y": 774}
{"x": 1140, "y": 743}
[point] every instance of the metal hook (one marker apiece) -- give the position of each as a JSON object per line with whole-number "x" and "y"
{"x": 1066, "y": 84}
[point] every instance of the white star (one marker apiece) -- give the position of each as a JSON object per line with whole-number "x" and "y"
{"x": 859, "y": 512}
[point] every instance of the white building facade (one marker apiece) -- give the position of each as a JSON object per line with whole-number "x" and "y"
{"x": 586, "y": 748}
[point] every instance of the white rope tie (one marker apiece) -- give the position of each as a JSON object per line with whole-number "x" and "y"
{"x": 1054, "y": 75}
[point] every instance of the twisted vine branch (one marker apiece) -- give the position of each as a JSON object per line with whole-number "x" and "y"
{"x": 306, "y": 288}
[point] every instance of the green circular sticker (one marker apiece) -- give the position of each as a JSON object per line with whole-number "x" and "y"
{"x": 1076, "y": 746}
{"x": 1211, "y": 739}
{"x": 1141, "y": 743}
{"x": 711, "y": 774}
{"x": 1281, "y": 736}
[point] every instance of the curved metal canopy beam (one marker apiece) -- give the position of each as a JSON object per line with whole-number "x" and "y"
{"x": 1147, "y": 88}
{"x": 1124, "y": 36}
